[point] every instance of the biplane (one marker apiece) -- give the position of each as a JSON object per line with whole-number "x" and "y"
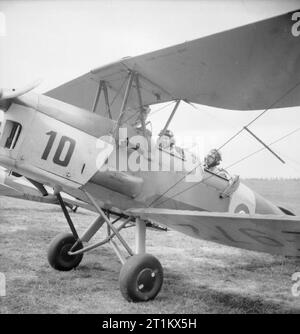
{"x": 89, "y": 139}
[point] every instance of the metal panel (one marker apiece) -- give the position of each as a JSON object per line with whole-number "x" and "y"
{"x": 45, "y": 154}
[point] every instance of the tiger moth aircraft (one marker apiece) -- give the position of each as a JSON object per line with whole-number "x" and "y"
{"x": 89, "y": 138}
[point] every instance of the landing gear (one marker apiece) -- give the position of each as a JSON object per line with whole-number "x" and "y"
{"x": 58, "y": 252}
{"x": 141, "y": 278}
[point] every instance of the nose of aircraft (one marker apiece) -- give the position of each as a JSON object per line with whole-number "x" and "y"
{"x": 4, "y": 103}
{"x": 7, "y": 94}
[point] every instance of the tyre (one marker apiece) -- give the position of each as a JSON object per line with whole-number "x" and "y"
{"x": 58, "y": 256}
{"x": 141, "y": 278}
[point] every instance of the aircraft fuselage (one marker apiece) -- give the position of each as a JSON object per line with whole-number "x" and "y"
{"x": 58, "y": 144}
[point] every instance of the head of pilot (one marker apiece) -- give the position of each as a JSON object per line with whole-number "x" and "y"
{"x": 166, "y": 139}
{"x": 213, "y": 158}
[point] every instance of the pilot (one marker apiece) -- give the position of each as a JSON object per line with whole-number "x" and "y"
{"x": 138, "y": 123}
{"x": 212, "y": 162}
{"x": 166, "y": 140}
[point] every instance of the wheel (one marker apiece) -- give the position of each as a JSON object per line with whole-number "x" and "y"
{"x": 58, "y": 256}
{"x": 141, "y": 278}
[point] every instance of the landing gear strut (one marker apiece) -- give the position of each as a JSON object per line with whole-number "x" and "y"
{"x": 141, "y": 276}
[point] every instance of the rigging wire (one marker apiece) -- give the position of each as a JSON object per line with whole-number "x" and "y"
{"x": 118, "y": 92}
{"x": 229, "y": 140}
{"x": 233, "y": 164}
{"x": 150, "y": 114}
{"x": 210, "y": 114}
{"x": 165, "y": 106}
{"x": 261, "y": 114}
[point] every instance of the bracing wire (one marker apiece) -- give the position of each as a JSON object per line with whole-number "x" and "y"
{"x": 163, "y": 107}
{"x": 228, "y": 141}
{"x": 233, "y": 164}
{"x": 118, "y": 92}
{"x": 152, "y": 113}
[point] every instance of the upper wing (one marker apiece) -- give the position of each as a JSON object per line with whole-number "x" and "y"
{"x": 82, "y": 91}
{"x": 265, "y": 233}
{"x": 246, "y": 68}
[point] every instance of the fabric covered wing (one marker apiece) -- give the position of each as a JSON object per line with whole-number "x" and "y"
{"x": 9, "y": 187}
{"x": 82, "y": 92}
{"x": 246, "y": 68}
{"x": 264, "y": 233}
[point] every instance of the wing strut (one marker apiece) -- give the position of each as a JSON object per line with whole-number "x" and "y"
{"x": 264, "y": 144}
{"x": 142, "y": 116}
{"x": 133, "y": 78}
{"x": 102, "y": 87}
{"x": 170, "y": 118}
{"x": 124, "y": 103}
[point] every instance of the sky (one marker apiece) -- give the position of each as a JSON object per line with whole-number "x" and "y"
{"x": 60, "y": 40}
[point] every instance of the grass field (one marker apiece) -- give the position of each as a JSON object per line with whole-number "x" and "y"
{"x": 200, "y": 277}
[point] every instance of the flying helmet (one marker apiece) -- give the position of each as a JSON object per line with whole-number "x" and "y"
{"x": 213, "y": 158}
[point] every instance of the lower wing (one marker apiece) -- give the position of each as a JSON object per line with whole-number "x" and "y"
{"x": 10, "y": 187}
{"x": 264, "y": 233}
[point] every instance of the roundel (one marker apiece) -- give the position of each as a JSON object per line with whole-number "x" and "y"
{"x": 241, "y": 208}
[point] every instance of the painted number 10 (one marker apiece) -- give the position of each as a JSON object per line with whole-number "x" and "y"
{"x": 66, "y": 145}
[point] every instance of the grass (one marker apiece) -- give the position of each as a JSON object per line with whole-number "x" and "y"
{"x": 200, "y": 276}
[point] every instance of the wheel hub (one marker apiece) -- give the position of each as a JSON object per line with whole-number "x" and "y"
{"x": 64, "y": 253}
{"x": 146, "y": 280}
